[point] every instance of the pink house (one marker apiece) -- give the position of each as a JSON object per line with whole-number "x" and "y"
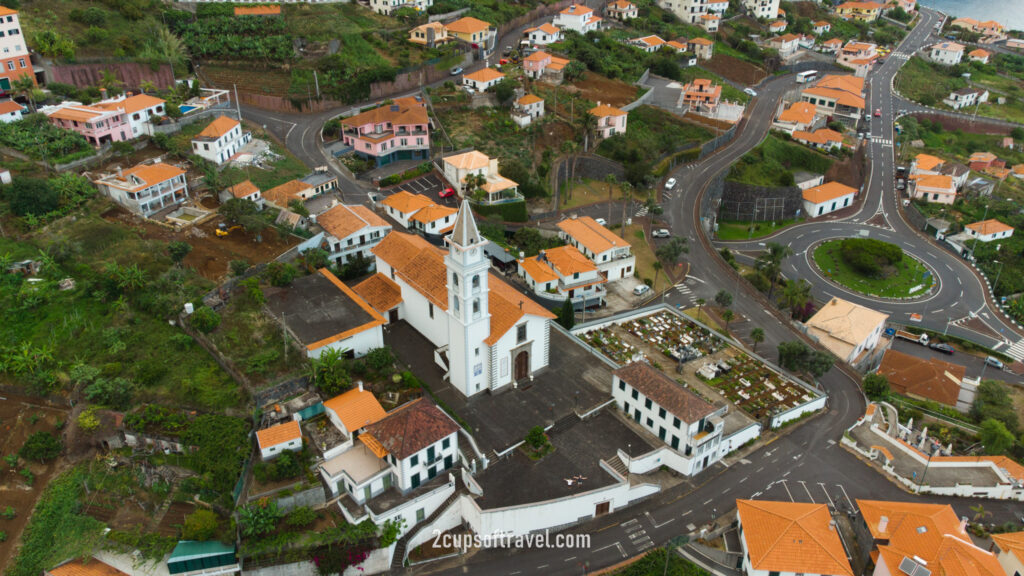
{"x": 534, "y": 64}
{"x": 610, "y": 120}
{"x": 99, "y": 126}
{"x": 396, "y": 131}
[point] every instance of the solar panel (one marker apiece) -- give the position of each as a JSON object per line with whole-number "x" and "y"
{"x": 912, "y": 568}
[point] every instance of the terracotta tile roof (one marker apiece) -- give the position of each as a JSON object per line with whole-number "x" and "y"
{"x": 844, "y": 82}
{"x": 792, "y": 537}
{"x": 947, "y": 47}
{"x": 76, "y": 567}
{"x": 821, "y": 24}
{"x": 243, "y": 189}
{"x": 990, "y": 226}
{"x": 833, "y": 42}
{"x": 940, "y": 181}
{"x": 380, "y": 292}
{"x": 650, "y": 40}
{"x": 497, "y": 184}
{"x": 932, "y": 379}
{"x": 840, "y": 96}
{"x": 484, "y": 75}
{"x": 1011, "y": 543}
{"x": 265, "y": 10}
{"x": 557, "y": 63}
{"x": 987, "y": 157}
{"x": 859, "y": 47}
{"x": 700, "y": 41}
{"x": 131, "y": 104}
{"x": 343, "y": 221}
{"x": 149, "y": 174}
{"x": 859, "y": 6}
{"x": 219, "y": 127}
{"x": 777, "y": 24}
{"x": 979, "y": 53}
{"x": 356, "y": 409}
{"x": 927, "y": 162}
{"x": 668, "y": 393}
{"x": 790, "y": 37}
{"x": 468, "y": 25}
{"x": 418, "y": 263}
{"x": 1018, "y": 169}
{"x": 676, "y": 45}
{"x": 77, "y": 113}
{"x": 401, "y": 112}
{"x": 842, "y": 325}
{"x": 590, "y": 234}
{"x": 540, "y": 271}
{"x": 529, "y": 99}
{"x": 432, "y": 213}
{"x": 278, "y": 434}
{"x": 546, "y": 28}
{"x": 827, "y": 191}
{"x": 576, "y": 10}
{"x": 281, "y": 195}
{"x": 5, "y": 11}
{"x": 538, "y": 56}
{"x": 411, "y": 428}
{"x": 567, "y": 260}
{"x": 822, "y": 136}
{"x": 406, "y": 202}
{"x": 472, "y": 160}
{"x": 798, "y": 113}
{"x": 605, "y": 110}
{"x": 904, "y": 522}
{"x": 507, "y": 306}
{"x": 8, "y": 106}
{"x": 376, "y": 447}
{"x": 622, "y": 4}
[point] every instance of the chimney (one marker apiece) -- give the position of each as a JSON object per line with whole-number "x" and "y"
{"x": 129, "y": 94}
{"x": 493, "y": 166}
{"x": 883, "y": 523}
{"x": 832, "y": 525}
{"x": 360, "y": 383}
{"x": 963, "y": 524}
{"x": 120, "y": 173}
{"x": 103, "y": 93}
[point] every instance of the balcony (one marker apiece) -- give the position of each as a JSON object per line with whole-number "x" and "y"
{"x": 566, "y": 284}
{"x": 502, "y": 197}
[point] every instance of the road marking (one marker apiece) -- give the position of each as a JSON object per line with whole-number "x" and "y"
{"x": 847, "y": 496}
{"x": 708, "y": 502}
{"x": 761, "y": 468}
{"x": 939, "y": 310}
{"x": 787, "y": 491}
{"x": 911, "y": 245}
{"x": 948, "y": 267}
{"x": 569, "y": 559}
{"x": 685, "y": 514}
{"x": 833, "y": 504}
{"x": 656, "y": 525}
{"x": 804, "y": 484}
{"x": 542, "y": 566}
{"x": 800, "y": 236}
{"x": 755, "y": 494}
{"x": 932, "y": 255}
{"x": 744, "y": 479}
{"x": 695, "y": 278}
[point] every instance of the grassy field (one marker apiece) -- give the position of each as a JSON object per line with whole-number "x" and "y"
{"x": 774, "y": 160}
{"x": 651, "y": 133}
{"x": 909, "y": 273}
{"x": 323, "y": 22}
{"x": 729, "y": 230}
{"x": 645, "y": 257}
{"x": 591, "y": 191}
{"x": 923, "y": 82}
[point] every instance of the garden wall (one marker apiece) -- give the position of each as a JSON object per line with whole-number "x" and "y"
{"x": 759, "y": 203}
{"x": 132, "y": 74}
{"x": 312, "y": 498}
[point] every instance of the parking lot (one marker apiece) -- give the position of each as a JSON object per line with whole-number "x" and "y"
{"x": 429, "y": 185}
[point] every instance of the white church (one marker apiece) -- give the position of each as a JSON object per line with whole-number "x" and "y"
{"x": 488, "y": 335}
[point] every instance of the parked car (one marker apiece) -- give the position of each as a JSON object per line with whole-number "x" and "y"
{"x": 670, "y": 183}
{"x": 878, "y": 112}
{"x": 901, "y": 184}
{"x": 641, "y": 290}
{"x": 940, "y": 347}
{"x": 750, "y": 91}
{"x": 994, "y": 362}
{"x": 660, "y": 233}
{"x": 446, "y": 193}
{"x": 601, "y": 221}
{"x": 455, "y": 71}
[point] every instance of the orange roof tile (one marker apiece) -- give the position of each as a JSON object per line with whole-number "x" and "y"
{"x": 1011, "y": 543}
{"x": 356, "y": 408}
{"x": 5, "y": 11}
{"x": 373, "y": 444}
{"x": 821, "y": 136}
{"x": 380, "y": 292}
{"x": 622, "y": 4}
{"x": 792, "y": 537}
{"x": 418, "y": 263}
{"x": 650, "y": 40}
{"x": 410, "y": 428}
{"x": 979, "y": 53}
{"x": 821, "y": 24}
{"x": 529, "y": 99}
{"x": 540, "y": 271}
{"x": 342, "y": 221}
{"x": 789, "y": 37}
{"x": 927, "y": 162}
{"x": 8, "y": 106}
{"x": 567, "y": 260}
{"x": 76, "y": 567}
{"x": 576, "y": 10}
{"x": 941, "y": 181}
{"x": 676, "y": 45}
{"x": 983, "y": 157}
{"x": 546, "y": 28}
{"x": 605, "y": 110}
{"x": 827, "y": 191}
{"x": 243, "y": 189}
{"x": 777, "y": 24}
{"x": 799, "y": 113}
{"x": 538, "y": 56}
{"x": 507, "y": 306}
{"x": 400, "y": 112}
{"x": 406, "y": 202}
{"x": 278, "y": 434}
{"x": 265, "y": 10}
{"x": 151, "y": 174}
{"x": 281, "y": 195}
{"x": 844, "y": 82}
{"x": 833, "y": 42}
{"x": 432, "y": 213}
{"x": 700, "y": 41}
{"x": 990, "y": 226}
{"x": 77, "y": 113}
{"x": 557, "y": 63}
{"x": 472, "y": 160}
{"x": 590, "y": 234}
{"x": 132, "y": 104}
{"x": 219, "y": 127}
{"x": 841, "y": 97}
{"x": 931, "y": 378}
{"x": 484, "y": 75}
{"x": 468, "y": 25}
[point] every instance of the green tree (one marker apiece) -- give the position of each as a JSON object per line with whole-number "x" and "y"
{"x": 728, "y": 316}
{"x": 296, "y": 206}
{"x": 110, "y": 82}
{"x": 280, "y": 274}
{"x": 657, "y": 270}
{"x": 723, "y": 298}
{"x": 25, "y": 85}
{"x": 670, "y": 251}
{"x": 329, "y": 372}
{"x": 390, "y": 530}
{"x": 770, "y": 263}
{"x": 200, "y": 525}
{"x": 113, "y": 392}
{"x": 796, "y": 295}
{"x": 536, "y": 438}
{"x": 178, "y": 250}
{"x": 980, "y": 513}
{"x": 996, "y": 438}
{"x": 239, "y": 267}
{"x": 757, "y": 336}
{"x": 700, "y": 304}
{"x": 41, "y": 447}
{"x": 567, "y": 315}
{"x": 301, "y": 517}
{"x": 259, "y": 518}
{"x": 316, "y": 258}
{"x": 876, "y": 386}
{"x": 798, "y": 357}
{"x": 147, "y": 86}
{"x": 31, "y": 197}
{"x": 235, "y": 210}
{"x": 204, "y": 319}
{"x": 993, "y": 401}
{"x": 505, "y": 90}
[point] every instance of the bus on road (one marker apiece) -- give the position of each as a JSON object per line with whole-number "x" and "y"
{"x": 805, "y": 77}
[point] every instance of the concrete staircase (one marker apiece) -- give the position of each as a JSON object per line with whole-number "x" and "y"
{"x": 402, "y": 547}
{"x": 618, "y": 465}
{"x": 564, "y": 423}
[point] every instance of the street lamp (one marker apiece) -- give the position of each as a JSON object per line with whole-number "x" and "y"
{"x": 996, "y": 283}
{"x": 930, "y": 454}
{"x": 975, "y": 245}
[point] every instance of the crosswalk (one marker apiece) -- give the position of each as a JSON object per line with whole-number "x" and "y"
{"x": 882, "y": 141}
{"x": 685, "y": 292}
{"x": 641, "y": 212}
{"x": 1016, "y": 351}
{"x": 900, "y": 56}
{"x": 666, "y": 196}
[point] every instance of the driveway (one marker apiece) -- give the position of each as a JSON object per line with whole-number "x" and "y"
{"x": 974, "y": 364}
{"x": 429, "y": 185}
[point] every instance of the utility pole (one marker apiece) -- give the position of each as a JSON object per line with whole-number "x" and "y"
{"x": 238, "y": 105}
{"x": 316, "y": 80}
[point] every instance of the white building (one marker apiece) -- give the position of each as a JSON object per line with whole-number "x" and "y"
{"x": 965, "y": 98}
{"x": 279, "y": 438}
{"x": 989, "y": 230}
{"x": 402, "y": 205}
{"x": 1011, "y": 552}
{"x": 612, "y": 254}
{"x": 138, "y": 110}
{"x": 474, "y": 170}
{"x": 946, "y": 53}
{"x": 482, "y": 79}
{"x": 789, "y": 538}
{"x": 352, "y": 411}
{"x": 434, "y": 221}
{"x": 146, "y": 189}
{"x": 221, "y": 140}
{"x": 621, "y": 10}
{"x": 489, "y": 333}
{"x": 579, "y": 18}
{"x": 244, "y": 190}
{"x": 544, "y": 34}
{"x": 386, "y": 7}
{"x": 762, "y": 8}
{"x": 799, "y": 116}
{"x": 527, "y": 109}
{"x": 689, "y": 11}
{"x": 350, "y": 231}
{"x": 847, "y": 329}
{"x": 10, "y": 111}
{"x": 827, "y": 198}
{"x": 564, "y": 273}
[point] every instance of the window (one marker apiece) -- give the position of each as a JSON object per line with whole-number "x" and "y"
{"x": 430, "y": 305}
{"x": 521, "y": 333}
{"x": 430, "y": 454}
{"x": 10, "y": 65}
{"x": 622, "y": 385}
{"x": 455, "y": 280}
{"x": 446, "y": 443}
{"x": 648, "y": 403}
{"x": 576, "y": 276}
{"x": 476, "y": 283}
{"x": 416, "y": 481}
{"x": 421, "y": 515}
{"x": 414, "y": 460}
{"x": 636, "y": 394}
{"x": 21, "y": 62}
{"x": 455, "y": 306}
{"x": 676, "y": 422}
{"x": 650, "y": 423}
{"x": 476, "y": 352}
{"x": 661, "y": 413}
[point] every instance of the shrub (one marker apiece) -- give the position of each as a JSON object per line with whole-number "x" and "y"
{"x": 869, "y": 256}
{"x": 536, "y": 437}
{"x": 205, "y": 320}
{"x": 260, "y": 518}
{"x": 238, "y": 267}
{"x": 9, "y": 513}
{"x": 509, "y": 211}
{"x": 41, "y": 447}
{"x": 302, "y": 516}
{"x": 200, "y": 525}
{"x": 379, "y": 358}
{"x": 280, "y": 274}
{"x": 114, "y": 392}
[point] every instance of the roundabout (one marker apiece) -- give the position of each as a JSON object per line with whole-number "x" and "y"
{"x": 872, "y": 268}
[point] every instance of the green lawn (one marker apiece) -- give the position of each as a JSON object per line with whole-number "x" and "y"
{"x": 323, "y": 22}
{"x": 926, "y": 83}
{"x": 730, "y": 230}
{"x": 909, "y": 273}
{"x": 773, "y": 162}
{"x": 651, "y": 134}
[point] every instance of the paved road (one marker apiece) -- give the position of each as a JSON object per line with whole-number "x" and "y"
{"x": 960, "y": 293}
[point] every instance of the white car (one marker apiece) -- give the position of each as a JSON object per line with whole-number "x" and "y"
{"x": 660, "y": 233}
{"x": 750, "y": 91}
{"x": 601, "y": 221}
{"x": 670, "y": 183}
{"x": 641, "y": 290}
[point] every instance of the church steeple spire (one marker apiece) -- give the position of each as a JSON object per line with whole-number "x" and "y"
{"x": 465, "y": 233}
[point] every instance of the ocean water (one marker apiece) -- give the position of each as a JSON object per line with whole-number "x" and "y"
{"x": 1009, "y": 13}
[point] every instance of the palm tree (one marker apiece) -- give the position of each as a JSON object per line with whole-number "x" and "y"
{"x": 611, "y": 180}
{"x": 109, "y": 81}
{"x": 728, "y": 315}
{"x": 980, "y": 513}
{"x": 587, "y": 124}
{"x": 25, "y": 86}
{"x": 757, "y": 335}
{"x": 657, "y": 270}
{"x": 147, "y": 86}
{"x": 770, "y": 263}
{"x": 796, "y": 295}
{"x": 700, "y": 304}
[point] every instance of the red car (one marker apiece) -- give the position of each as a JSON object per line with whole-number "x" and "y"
{"x": 878, "y": 112}
{"x": 446, "y": 193}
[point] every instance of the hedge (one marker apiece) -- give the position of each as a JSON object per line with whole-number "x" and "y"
{"x": 416, "y": 172}
{"x": 509, "y": 211}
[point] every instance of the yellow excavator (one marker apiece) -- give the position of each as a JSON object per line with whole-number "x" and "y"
{"x": 223, "y": 229}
